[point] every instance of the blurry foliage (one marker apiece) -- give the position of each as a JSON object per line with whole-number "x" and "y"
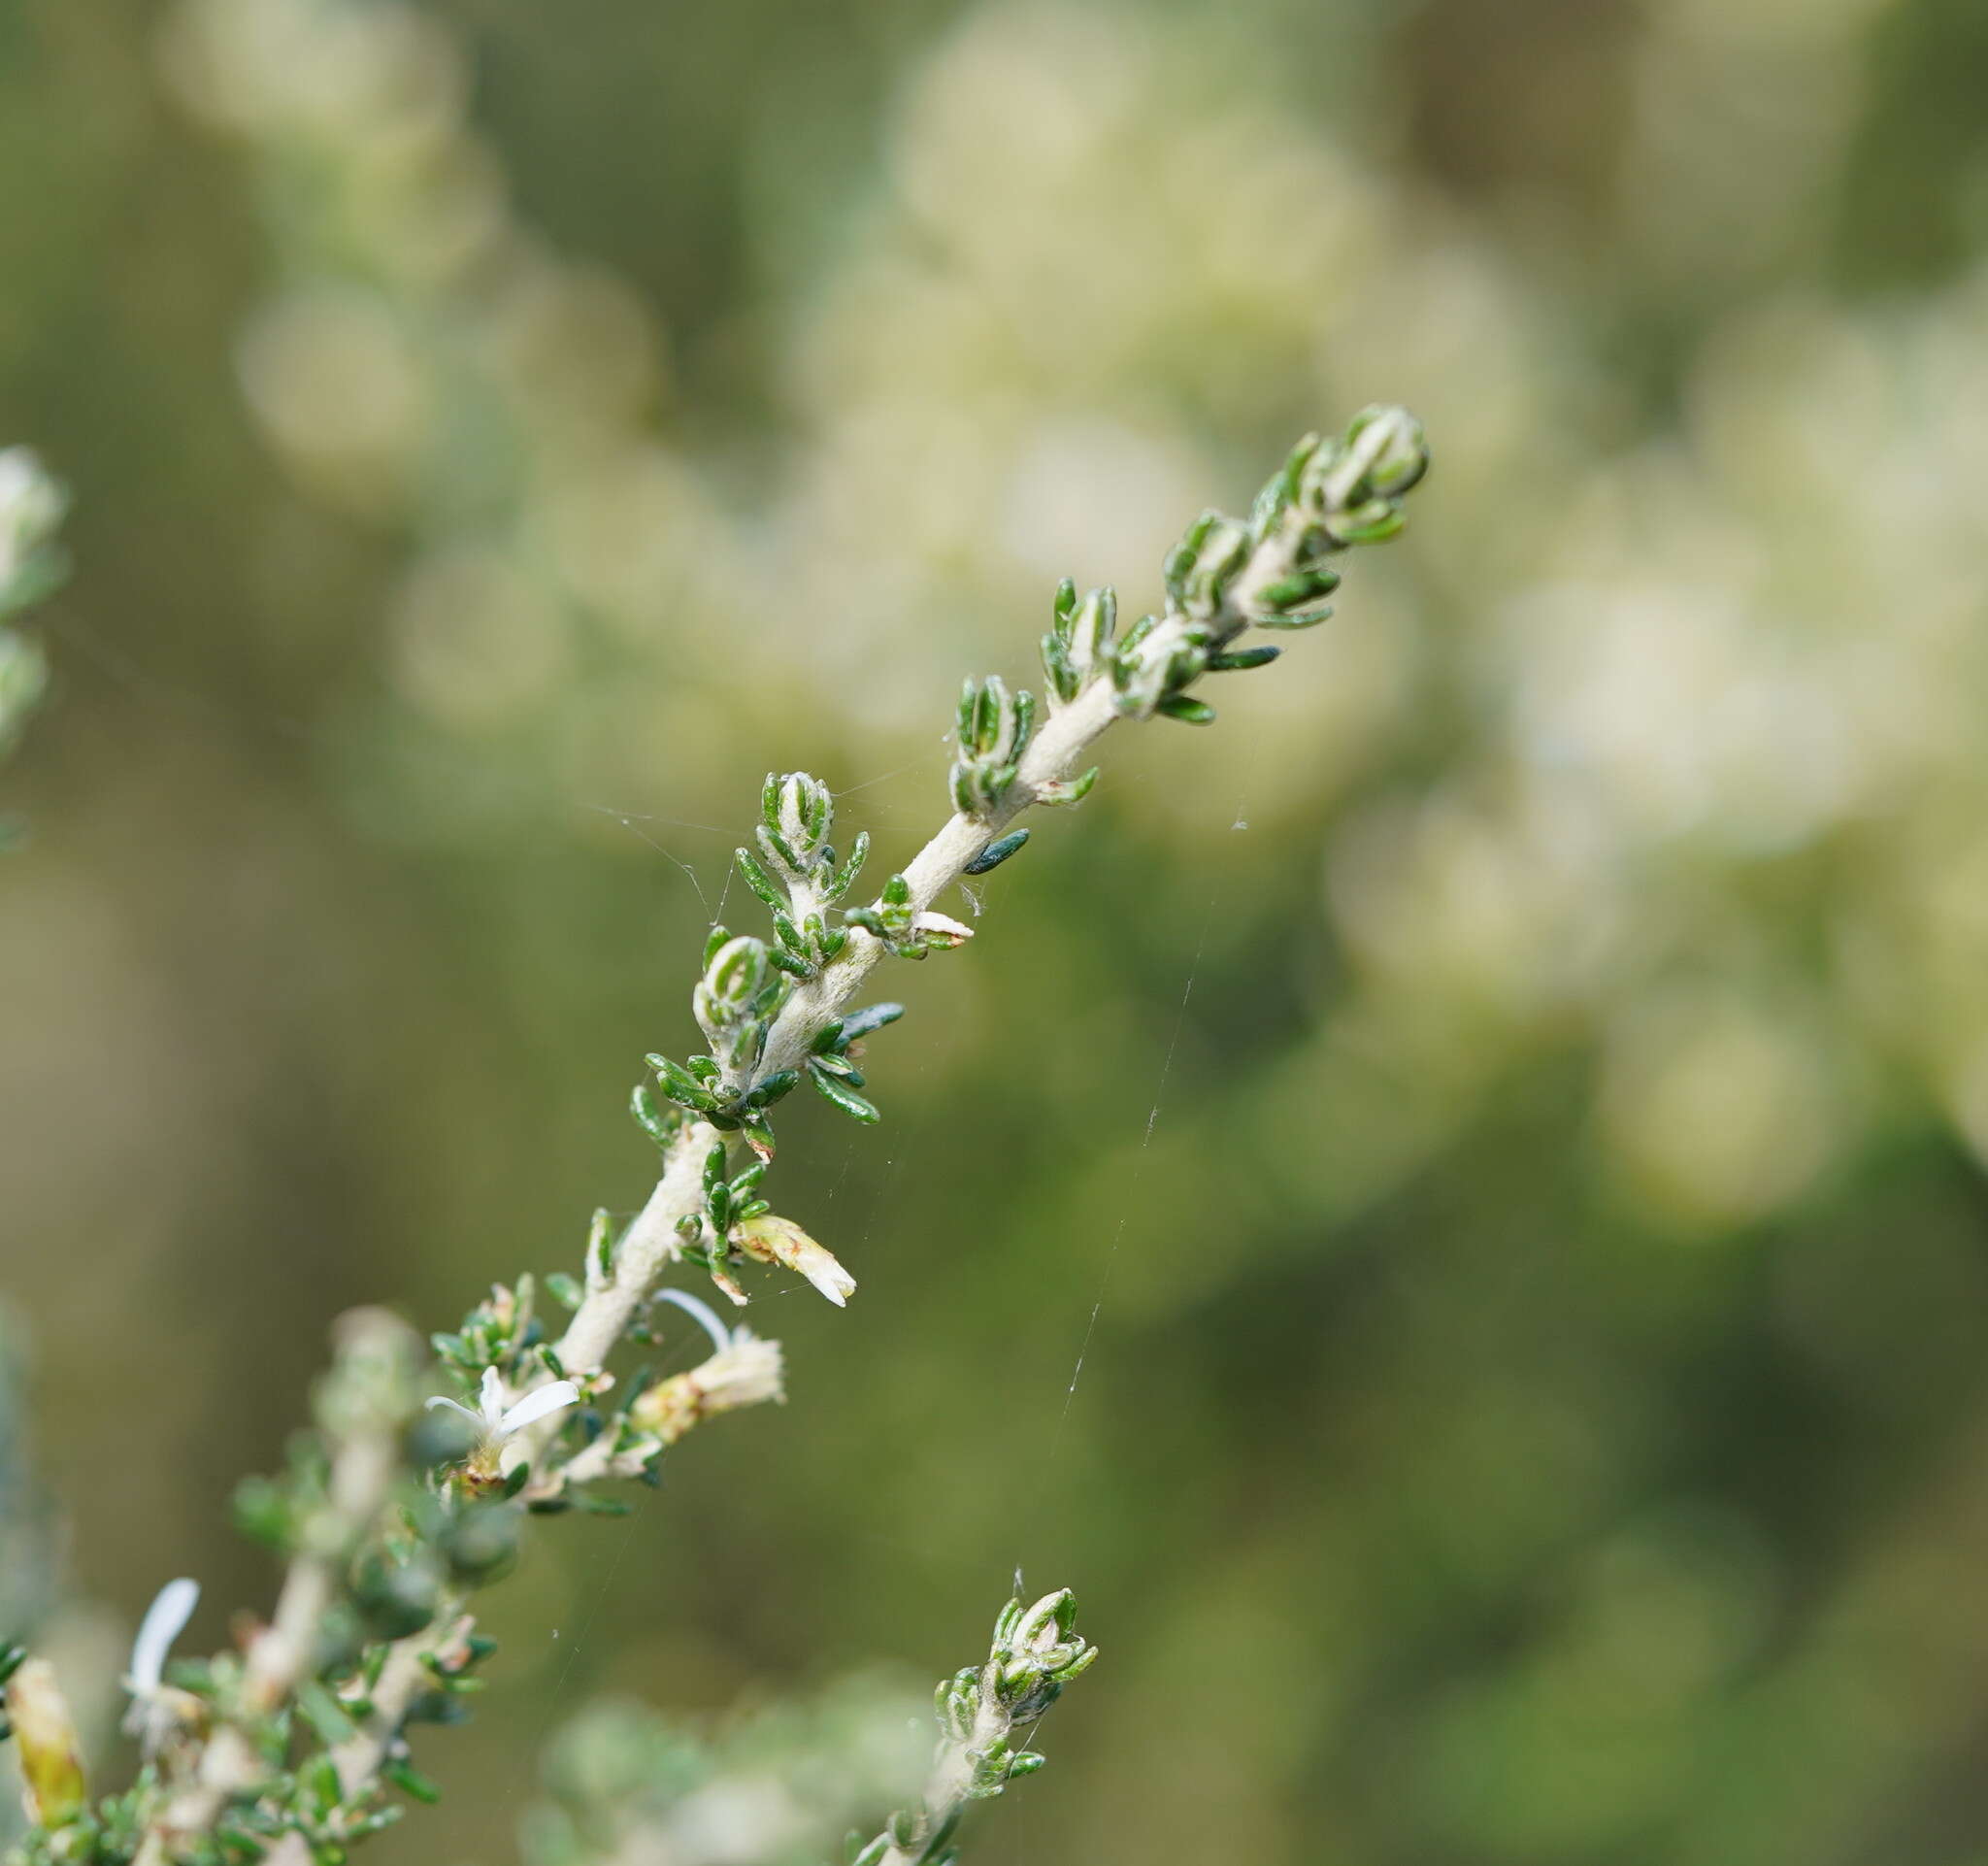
{"x": 774, "y": 1785}
{"x": 1530, "y": 1074}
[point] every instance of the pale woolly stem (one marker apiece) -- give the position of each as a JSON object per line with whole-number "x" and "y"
{"x": 647, "y": 1249}
{"x": 651, "y": 1244}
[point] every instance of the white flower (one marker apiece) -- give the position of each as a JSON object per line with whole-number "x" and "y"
{"x": 155, "y": 1709}
{"x": 494, "y": 1422}
{"x": 745, "y": 1373}
{"x": 702, "y": 1313}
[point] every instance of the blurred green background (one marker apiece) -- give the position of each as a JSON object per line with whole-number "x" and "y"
{"x": 1499, "y": 1119}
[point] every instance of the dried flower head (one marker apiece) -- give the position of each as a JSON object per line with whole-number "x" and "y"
{"x": 745, "y": 1372}
{"x": 781, "y": 1240}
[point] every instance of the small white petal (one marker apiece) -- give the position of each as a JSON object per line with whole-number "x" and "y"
{"x": 702, "y": 1313}
{"x": 490, "y": 1397}
{"x": 469, "y": 1413}
{"x": 170, "y": 1611}
{"x": 830, "y": 1278}
{"x": 535, "y": 1406}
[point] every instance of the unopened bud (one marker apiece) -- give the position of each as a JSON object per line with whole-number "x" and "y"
{"x": 805, "y": 816}
{"x": 1390, "y": 442}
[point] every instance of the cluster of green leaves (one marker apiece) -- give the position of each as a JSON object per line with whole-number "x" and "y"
{"x": 1036, "y": 1653}
{"x": 109, "y": 1834}
{"x": 504, "y": 1330}
{"x": 796, "y": 873}
{"x": 736, "y": 1001}
{"x": 831, "y": 1061}
{"x": 1270, "y": 571}
{"x": 746, "y": 982}
{"x": 299, "y": 1790}
{"x": 730, "y": 1201}
{"x": 994, "y": 728}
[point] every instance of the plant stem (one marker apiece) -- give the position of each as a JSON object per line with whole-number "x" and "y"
{"x": 651, "y": 1244}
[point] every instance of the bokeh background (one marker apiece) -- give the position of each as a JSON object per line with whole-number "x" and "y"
{"x": 1499, "y": 1119}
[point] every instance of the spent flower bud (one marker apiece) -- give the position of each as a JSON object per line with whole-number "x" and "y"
{"x": 45, "y": 1734}
{"x": 745, "y": 1372}
{"x": 781, "y": 1240}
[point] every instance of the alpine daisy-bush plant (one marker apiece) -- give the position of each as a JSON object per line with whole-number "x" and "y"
{"x": 401, "y": 1503}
